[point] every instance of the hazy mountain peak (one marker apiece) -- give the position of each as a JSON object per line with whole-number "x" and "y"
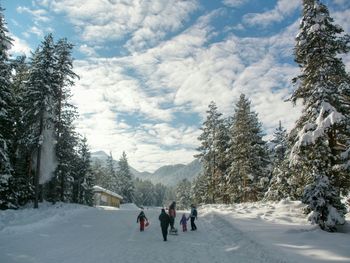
{"x": 167, "y": 175}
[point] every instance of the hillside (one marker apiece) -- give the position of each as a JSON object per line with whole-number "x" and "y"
{"x": 168, "y": 175}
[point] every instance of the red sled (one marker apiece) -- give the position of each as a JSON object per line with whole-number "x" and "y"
{"x": 147, "y": 224}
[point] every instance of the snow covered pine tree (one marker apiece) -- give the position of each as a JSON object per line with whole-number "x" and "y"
{"x": 321, "y": 137}
{"x": 7, "y": 196}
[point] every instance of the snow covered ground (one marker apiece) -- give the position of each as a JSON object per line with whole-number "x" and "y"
{"x": 258, "y": 232}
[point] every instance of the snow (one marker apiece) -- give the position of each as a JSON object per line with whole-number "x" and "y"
{"x": 311, "y": 132}
{"x": 250, "y": 232}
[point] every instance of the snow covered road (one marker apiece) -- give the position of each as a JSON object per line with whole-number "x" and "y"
{"x": 100, "y": 235}
{"x": 67, "y": 233}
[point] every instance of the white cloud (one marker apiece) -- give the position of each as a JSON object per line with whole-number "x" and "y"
{"x": 235, "y": 3}
{"x": 39, "y": 15}
{"x": 185, "y": 74}
{"x": 146, "y": 22}
{"x": 88, "y": 50}
{"x": 341, "y": 2}
{"x": 182, "y": 74}
{"x": 144, "y": 143}
{"x": 36, "y": 31}
{"x": 343, "y": 19}
{"x": 282, "y": 9}
{"x": 19, "y": 46}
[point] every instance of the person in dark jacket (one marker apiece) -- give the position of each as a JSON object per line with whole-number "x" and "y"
{"x": 164, "y": 223}
{"x": 193, "y": 216}
{"x": 141, "y": 218}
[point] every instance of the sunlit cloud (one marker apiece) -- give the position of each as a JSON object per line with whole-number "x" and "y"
{"x": 39, "y": 15}
{"x": 282, "y": 9}
{"x": 149, "y": 69}
{"x": 235, "y": 3}
{"x": 88, "y": 50}
{"x": 144, "y": 22}
{"x": 186, "y": 75}
{"x": 19, "y": 46}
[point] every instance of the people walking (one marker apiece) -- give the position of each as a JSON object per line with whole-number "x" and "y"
{"x": 164, "y": 223}
{"x": 193, "y": 216}
{"x": 141, "y": 218}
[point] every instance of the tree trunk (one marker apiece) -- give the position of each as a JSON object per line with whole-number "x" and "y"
{"x": 38, "y": 160}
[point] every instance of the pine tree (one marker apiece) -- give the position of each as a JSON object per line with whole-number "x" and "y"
{"x": 159, "y": 192}
{"x": 144, "y": 194}
{"x": 63, "y": 187}
{"x": 183, "y": 194}
{"x": 100, "y": 174}
{"x": 64, "y": 116}
{"x": 85, "y": 176}
{"x": 280, "y": 144}
{"x": 321, "y": 136}
{"x": 127, "y": 187}
{"x": 39, "y": 102}
{"x": 113, "y": 181}
{"x": 8, "y": 197}
{"x": 199, "y": 190}
{"x": 279, "y": 186}
{"x": 222, "y": 161}
{"x": 248, "y": 174}
{"x": 21, "y": 157}
{"x": 209, "y": 150}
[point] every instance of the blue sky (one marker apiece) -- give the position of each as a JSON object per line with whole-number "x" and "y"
{"x": 149, "y": 68}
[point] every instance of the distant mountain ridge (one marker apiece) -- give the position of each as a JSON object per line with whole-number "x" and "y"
{"x": 168, "y": 175}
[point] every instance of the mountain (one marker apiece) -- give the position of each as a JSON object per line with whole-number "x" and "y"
{"x": 168, "y": 175}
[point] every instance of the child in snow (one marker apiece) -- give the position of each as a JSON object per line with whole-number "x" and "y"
{"x": 183, "y": 222}
{"x": 141, "y": 218}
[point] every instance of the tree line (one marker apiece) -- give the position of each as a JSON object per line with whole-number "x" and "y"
{"x": 42, "y": 157}
{"x": 309, "y": 163}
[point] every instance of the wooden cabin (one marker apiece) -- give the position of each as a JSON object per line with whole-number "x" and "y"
{"x": 104, "y": 197}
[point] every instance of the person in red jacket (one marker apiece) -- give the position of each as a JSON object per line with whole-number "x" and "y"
{"x": 142, "y": 218}
{"x": 172, "y": 215}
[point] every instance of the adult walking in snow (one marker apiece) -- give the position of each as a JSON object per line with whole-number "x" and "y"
{"x": 164, "y": 223}
{"x": 141, "y": 219}
{"x": 172, "y": 215}
{"x": 193, "y": 216}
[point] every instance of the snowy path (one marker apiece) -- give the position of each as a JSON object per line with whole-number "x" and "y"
{"x": 97, "y": 235}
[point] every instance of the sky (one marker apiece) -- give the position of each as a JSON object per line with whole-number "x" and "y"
{"x": 149, "y": 68}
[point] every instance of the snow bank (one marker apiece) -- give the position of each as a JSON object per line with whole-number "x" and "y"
{"x": 129, "y": 206}
{"x": 30, "y": 219}
{"x": 283, "y": 212}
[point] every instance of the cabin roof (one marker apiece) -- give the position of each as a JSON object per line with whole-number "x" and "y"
{"x": 101, "y": 189}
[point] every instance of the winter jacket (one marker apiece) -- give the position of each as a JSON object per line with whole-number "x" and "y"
{"x": 164, "y": 219}
{"x": 172, "y": 212}
{"x": 193, "y": 212}
{"x": 183, "y": 220}
{"x": 141, "y": 217}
